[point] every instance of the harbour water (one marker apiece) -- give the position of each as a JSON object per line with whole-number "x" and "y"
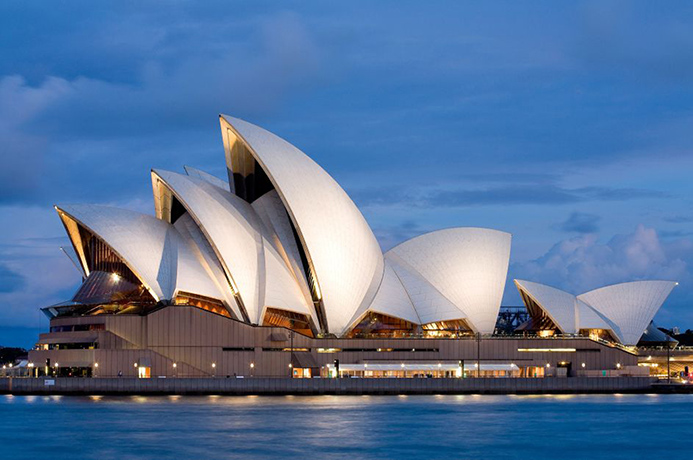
{"x": 340, "y": 427}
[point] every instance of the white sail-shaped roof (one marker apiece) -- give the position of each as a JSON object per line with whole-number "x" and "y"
{"x": 391, "y": 299}
{"x": 566, "y": 311}
{"x": 255, "y": 268}
{"x": 430, "y": 304}
{"x": 214, "y": 180}
{"x": 340, "y": 247}
{"x": 631, "y": 306}
{"x": 233, "y": 239}
{"x": 271, "y": 211}
{"x": 151, "y": 248}
{"x": 213, "y": 269}
{"x": 589, "y": 318}
{"x": 559, "y": 305}
{"x": 625, "y": 309}
{"x": 467, "y": 265}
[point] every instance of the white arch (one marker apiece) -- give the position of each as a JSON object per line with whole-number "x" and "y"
{"x": 467, "y": 265}
{"x": 214, "y": 180}
{"x": 151, "y": 248}
{"x": 631, "y": 306}
{"x": 340, "y": 247}
{"x": 254, "y": 267}
{"x": 559, "y": 305}
{"x": 566, "y": 311}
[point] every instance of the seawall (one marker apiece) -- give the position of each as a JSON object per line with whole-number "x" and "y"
{"x": 280, "y": 386}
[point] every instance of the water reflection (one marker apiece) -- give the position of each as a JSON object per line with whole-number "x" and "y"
{"x": 377, "y": 427}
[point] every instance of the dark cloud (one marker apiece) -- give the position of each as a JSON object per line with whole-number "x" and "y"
{"x": 675, "y": 233}
{"x": 462, "y": 114}
{"x": 637, "y": 40}
{"x": 678, "y": 219}
{"x": 579, "y": 222}
{"x": 391, "y": 236}
{"x": 64, "y": 131}
{"x": 508, "y": 195}
{"x": 10, "y": 281}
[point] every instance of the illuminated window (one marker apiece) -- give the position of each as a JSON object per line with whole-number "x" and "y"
{"x": 202, "y": 302}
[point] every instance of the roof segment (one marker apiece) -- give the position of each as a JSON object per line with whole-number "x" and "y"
{"x": 467, "y": 265}
{"x": 238, "y": 237}
{"x": 626, "y": 309}
{"x": 151, "y": 248}
{"x": 559, "y": 305}
{"x": 214, "y": 180}
{"x": 568, "y": 313}
{"x": 632, "y": 306}
{"x": 340, "y": 247}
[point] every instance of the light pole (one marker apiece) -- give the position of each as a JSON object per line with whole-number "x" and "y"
{"x": 214, "y": 369}
{"x": 668, "y": 363}
{"x": 291, "y": 336}
{"x": 175, "y": 366}
{"x": 252, "y": 368}
{"x": 478, "y": 354}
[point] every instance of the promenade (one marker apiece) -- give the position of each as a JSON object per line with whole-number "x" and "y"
{"x": 344, "y": 386}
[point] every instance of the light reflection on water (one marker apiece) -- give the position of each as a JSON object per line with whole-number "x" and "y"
{"x": 377, "y": 427}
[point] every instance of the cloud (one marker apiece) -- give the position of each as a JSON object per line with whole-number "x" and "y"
{"x": 506, "y": 195}
{"x": 579, "y": 222}
{"x": 65, "y": 131}
{"x": 391, "y": 236}
{"x": 635, "y": 38}
{"x": 22, "y": 150}
{"x": 583, "y": 263}
{"x": 678, "y": 219}
{"x": 10, "y": 281}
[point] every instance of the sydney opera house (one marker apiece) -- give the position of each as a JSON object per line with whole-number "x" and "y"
{"x": 275, "y": 272}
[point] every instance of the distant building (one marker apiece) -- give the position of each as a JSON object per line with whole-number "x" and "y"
{"x": 228, "y": 277}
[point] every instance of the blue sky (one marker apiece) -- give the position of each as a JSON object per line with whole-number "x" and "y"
{"x": 567, "y": 124}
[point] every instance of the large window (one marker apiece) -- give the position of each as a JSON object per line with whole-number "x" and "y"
{"x": 288, "y": 319}
{"x": 379, "y": 325}
{"x": 442, "y": 329}
{"x": 202, "y": 302}
{"x": 112, "y": 288}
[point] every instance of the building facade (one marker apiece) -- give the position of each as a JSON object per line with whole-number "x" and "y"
{"x": 275, "y": 272}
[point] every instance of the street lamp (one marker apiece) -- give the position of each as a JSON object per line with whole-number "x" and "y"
{"x": 252, "y": 368}
{"x": 478, "y": 354}
{"x": 291, "y": 336}
{"x": 214, "y": 369}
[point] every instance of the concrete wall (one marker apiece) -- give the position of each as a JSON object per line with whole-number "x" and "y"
{"x": 269, "y": 386}
{"x": 196, "y": 340}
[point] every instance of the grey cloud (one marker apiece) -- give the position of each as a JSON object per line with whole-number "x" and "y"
{"x": 675, "y": 233}
{"x": 80, "y": 129}
{"x": 637, "y": 40}
{"x": 579, "y": 222}
{"x": 10, "y": 281}
{"x": 679, "y": 219}
{"x": 583, "y": 263}
{"x": 391, "y": 236}
{"x": 509, "y": 195}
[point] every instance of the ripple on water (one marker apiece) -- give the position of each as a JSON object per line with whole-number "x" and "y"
{"x": 378, "y": 427}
